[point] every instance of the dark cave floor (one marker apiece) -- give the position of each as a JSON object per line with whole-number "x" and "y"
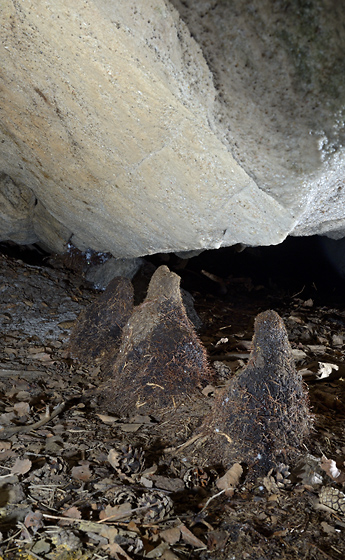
{"x": 87, "y": 485}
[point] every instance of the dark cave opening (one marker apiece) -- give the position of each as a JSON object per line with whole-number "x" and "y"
{"x": 310, "y": 267}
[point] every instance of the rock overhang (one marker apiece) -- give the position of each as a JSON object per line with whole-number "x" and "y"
{"x": 116, "y": 136}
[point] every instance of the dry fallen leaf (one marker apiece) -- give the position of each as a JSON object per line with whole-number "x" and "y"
{"x": 168, "y": 483}
{"x": 230, "y": 480}
{"x": 21, "y": 466}
{"x": 298, "y": 354}
{"x": 21, "y": 408}
{"x": 330, "y": 468}
{"x": 117, "y": 552}
{"x": 158, "y": 551}
{"x": 337, "y": 340}
{"x": 171, "y": 536}
{"x": 189, "y": 538}
{"x": 169, "y": 555}
{"x": 72, "y": 513}
{"x": 43, "y": 357}
{"x": 107, "y": 419}
{"x": 109, "y": 532}
{"x": 34, "y": 520}
{"x": 126, "y": 427}
{"x": 208, "y": 391}
{"x": 114, "y": 458}
{"x": 6, "y": 418}
{"x": 327, "y": 528}
{"x": 82, "y": 473}
{"x": 113, "y": 513}
{"x": 316, "y": 348}
{"x": 325, "y": 370}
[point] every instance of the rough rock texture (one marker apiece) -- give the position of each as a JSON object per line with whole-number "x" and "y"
{"x": 100, "y": 275}
{"x": 262, "y": 415}
{"x": 278, "y": 68}
{"x": 97, "y": 332}
{"x": 122, "y": 133}
{"x": 161, "y": 361}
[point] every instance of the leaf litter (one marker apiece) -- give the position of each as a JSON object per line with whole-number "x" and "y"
{"x": 77, "y": 483}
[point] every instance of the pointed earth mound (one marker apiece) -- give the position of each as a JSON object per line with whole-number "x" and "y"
{"x": 262, "y": 415}
{"x": 161, "y": 361}
{"x": 97, "y": 332}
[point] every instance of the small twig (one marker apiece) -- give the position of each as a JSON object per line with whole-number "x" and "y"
{"x": 213, "y": 497}
{"x": 8, "y": 432}
{"x": 114, "y": 517}
{"x": 126, "y": 513}
{"x": 186, "y": 443}
{"x": 11, "y": 538}
{"x": 298, "y": 293}
{"x": 321, "y": 551}
{"x": 61, "y": 518}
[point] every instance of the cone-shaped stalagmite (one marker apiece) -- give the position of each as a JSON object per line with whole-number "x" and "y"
{"x": 161, "y": 361}
{"x": 262, "y": 415}
{"x": 99, "y": 327}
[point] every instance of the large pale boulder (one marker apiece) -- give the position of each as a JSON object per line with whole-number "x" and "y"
{"x": 120, "y": 132}
{"x": 279, "y": 72}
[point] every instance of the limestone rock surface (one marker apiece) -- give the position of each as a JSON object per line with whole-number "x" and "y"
{"x": 134, "y": 127}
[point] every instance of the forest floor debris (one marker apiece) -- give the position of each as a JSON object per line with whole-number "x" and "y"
{"x": 79, "y": 484}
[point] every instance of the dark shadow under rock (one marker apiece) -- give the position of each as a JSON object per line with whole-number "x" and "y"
{"x": 98, "y": 329}
{"x": 262, "y": 415}
{"x": 161, "y": 361}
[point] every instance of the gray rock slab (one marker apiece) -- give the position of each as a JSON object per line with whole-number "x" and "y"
{"x": 102, "y": 274}
{"x": 124, "y": 133}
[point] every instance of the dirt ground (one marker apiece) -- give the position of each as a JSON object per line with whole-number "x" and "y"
{"x": 76, "y": 483}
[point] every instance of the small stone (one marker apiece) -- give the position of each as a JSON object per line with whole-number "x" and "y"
{"x": 102, "y": 274}
{"x": 337, "y": 340}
